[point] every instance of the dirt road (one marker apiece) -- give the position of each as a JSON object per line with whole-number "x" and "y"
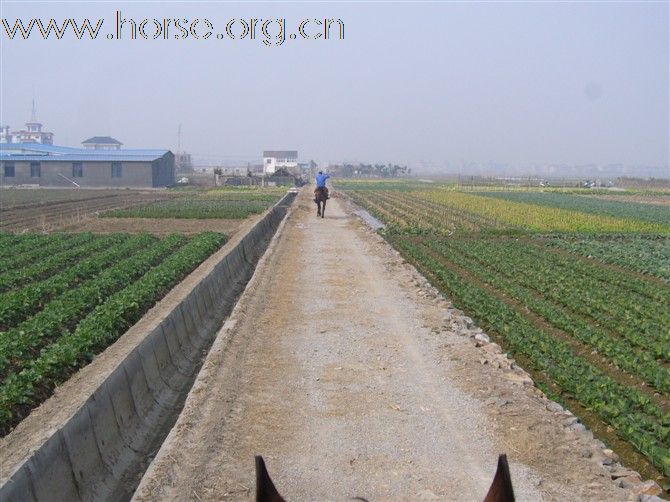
{"x": 352, "y": 380}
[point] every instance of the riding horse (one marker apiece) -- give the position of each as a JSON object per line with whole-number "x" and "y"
{"x": 500, "y": 490}
{"x": 320, "y": 197}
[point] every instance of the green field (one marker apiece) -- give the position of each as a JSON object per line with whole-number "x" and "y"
{"x": 647, "y": 255}
{"x": 585, "y": 204}
{"x": 66, "y": 297}
{"x": 219, "y": 203}
{"x": 576, "y": 288}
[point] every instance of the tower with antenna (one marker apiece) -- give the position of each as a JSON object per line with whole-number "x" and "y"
{"x": 182, "y": 160}
{"x": 33, "y": 125}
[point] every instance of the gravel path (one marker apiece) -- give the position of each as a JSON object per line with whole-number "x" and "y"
{"x": 351, "y": 380}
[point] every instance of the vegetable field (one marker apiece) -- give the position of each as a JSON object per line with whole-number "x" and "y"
{"x": 576, "y": 288}
{"x": 222, "y": 203}
{"x": 65, "y": 297}
{"x": 616, "y": 209}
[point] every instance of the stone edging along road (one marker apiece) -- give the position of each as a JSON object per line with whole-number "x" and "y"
{"x": 95, "y": 437}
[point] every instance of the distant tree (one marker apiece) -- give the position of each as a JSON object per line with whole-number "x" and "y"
{"x": 347, "y": 170}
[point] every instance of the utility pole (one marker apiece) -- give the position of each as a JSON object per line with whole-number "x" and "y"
{"x": 179, "y": 138}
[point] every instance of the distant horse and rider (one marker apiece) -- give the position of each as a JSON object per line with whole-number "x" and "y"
{"x": 321, "y": 193}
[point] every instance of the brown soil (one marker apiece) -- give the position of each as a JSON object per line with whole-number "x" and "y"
{"x": 344, "y": 369}
{"x": 82, "y": 215}
{"x": 52, "y": 216}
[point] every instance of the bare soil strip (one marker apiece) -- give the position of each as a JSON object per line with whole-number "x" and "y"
{"x": 55, "y": 215}
{"x": 352, "y": 377}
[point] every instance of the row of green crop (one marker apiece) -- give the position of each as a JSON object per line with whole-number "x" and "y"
{"x": 385, "y": 185}
{"x": 653, "y": 213}
{"x": 42, "y": 268}
{"x": 16, "y": 305}
{"x": 535, "y": 218}
{"x": 75, "y": 348}
{"x": 445, "y": 210}
{"x": 14, "y": 245}
{"x": 433, "y": 216}
{"x": 634, "y": 360}
{"x": 623, "y": 312}
{"x": 378, "y": 209}
{"x": 404, "y": 213}
{"x": 605, "y": 299}
{"x": 45, "y": 248}
{"x": 644, "y": 255}
{"x": 623, "y": 280}
{"x": 194, "y": 208}
{"x": 8, "y": 239}
{"x": 19, "y": 345}
{"x": 633, "y": 415}
{"x": 618, "y": 193}
{"x": 640, "y": 296}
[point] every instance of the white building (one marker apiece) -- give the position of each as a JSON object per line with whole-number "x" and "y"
{"x": 234, "y": 171}
{"x": 276, "y": 159}
{"x": 31, "y": 134}
{"x": 102, "y": 143}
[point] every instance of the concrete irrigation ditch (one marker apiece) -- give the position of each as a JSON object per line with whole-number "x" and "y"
{"x": 100, "y": 449}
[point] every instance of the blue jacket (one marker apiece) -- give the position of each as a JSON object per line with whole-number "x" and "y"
{"x": 321, "y": 180}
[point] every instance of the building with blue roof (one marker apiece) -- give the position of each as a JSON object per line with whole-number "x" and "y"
{"x": 61, "y": 166}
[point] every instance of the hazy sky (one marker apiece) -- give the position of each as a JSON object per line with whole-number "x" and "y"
{"x": 417, "y": 83}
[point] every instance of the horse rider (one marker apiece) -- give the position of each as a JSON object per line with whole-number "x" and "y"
{"x": 321, "y": 185}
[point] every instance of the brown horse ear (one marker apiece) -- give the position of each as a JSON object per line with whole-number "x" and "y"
{"x": 265, "y": 488}
{"x": 501, "y": 489}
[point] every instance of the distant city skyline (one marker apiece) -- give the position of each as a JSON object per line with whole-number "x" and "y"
{"x": 430, "y": 85}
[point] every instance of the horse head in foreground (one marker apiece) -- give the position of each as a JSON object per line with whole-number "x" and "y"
{"x": 500, "y": 491}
